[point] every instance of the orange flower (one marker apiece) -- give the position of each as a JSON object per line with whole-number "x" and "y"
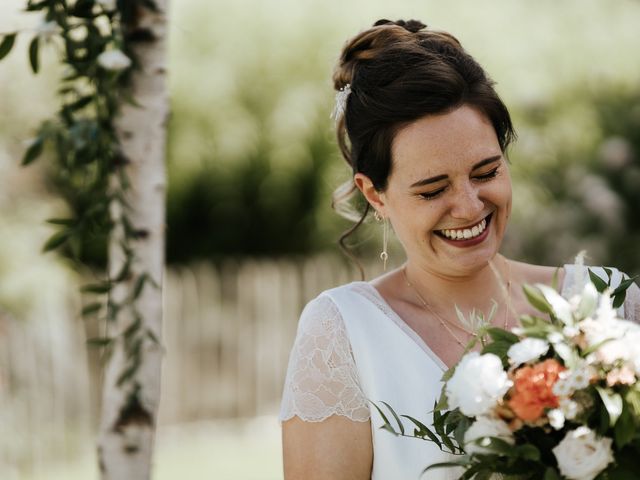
{"x": 532, "y": 389}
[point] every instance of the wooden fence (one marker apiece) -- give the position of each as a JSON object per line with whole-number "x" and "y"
{"x": 228, "y": 330}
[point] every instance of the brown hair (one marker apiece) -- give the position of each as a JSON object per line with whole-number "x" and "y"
{"x": 399, "y": 72}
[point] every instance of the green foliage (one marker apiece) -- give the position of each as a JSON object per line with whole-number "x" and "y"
{"x": 86, "y": 161}
{"x": 587, "y": 191}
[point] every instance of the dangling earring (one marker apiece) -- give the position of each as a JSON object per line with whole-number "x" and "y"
{"x": 384, "y": 255}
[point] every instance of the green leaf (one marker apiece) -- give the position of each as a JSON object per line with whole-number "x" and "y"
{"x": 551, "y": 474}
{"x": 137, "y": 290}
{"x": 34, "y": 48}
{"x": 613, "y": 403}
{"x": 600, "y": 284}
{"x": 624, "y": 285}
{"x": 7, "y": 44}
{"x": 536, "y": 299}
{"x": 423, "y": 431}
{"x": 97, "y": 288}
{"x": 127, "y": 374}
{"x": 99, "y": 341}
{"x": 56, "y": 240}
{"x": 528, "y": 452}
{"x": 395, "y": 415}
{"x": 34, "y": 151}
{"x": 67, "y": 222}
{"x": 387, "y": 425}
{"x": 91, "y": 309}
{"x": 499, "y": 348}
{"x": 625, "y": 428}
{"x": 499, "y": 334}
{"x": 134, "y": 327}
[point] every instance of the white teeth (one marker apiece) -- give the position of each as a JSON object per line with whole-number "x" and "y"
{"x": 466, "y": 233}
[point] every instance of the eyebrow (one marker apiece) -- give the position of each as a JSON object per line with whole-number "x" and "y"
{"x": 438, "y": 178}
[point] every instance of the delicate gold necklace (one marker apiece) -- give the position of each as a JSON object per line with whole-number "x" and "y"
{"x": 506, "y": 292}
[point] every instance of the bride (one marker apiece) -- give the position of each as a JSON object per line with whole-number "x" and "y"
{"x": 425, "y": 134}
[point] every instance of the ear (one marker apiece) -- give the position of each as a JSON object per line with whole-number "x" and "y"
{"x": 375, "y": 198}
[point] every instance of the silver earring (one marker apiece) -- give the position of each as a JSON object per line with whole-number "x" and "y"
{"x": 384, "y": 255}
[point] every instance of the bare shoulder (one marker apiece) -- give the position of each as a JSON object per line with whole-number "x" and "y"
{"x": 530, "y": 273}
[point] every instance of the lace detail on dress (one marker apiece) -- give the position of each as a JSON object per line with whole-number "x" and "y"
{"x": 322, "y": 379}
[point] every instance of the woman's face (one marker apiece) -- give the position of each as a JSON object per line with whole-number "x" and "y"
{"x": 449, "y": 192}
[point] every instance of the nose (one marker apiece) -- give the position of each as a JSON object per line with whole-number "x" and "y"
{"x": 466, "y": 204}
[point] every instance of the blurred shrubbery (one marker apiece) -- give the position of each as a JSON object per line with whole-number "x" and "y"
{"x": 252, "y": 157}
{"x": 577, "y": 175}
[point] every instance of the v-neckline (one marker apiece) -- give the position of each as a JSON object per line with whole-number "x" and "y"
{"x": 402, "y": 325}
{"x": 410, "y": 332}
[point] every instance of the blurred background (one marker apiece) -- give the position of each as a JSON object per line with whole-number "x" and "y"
{"x": 251, "y": 236}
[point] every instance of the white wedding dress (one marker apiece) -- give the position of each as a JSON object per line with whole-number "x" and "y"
{"x": 351, "y": 347}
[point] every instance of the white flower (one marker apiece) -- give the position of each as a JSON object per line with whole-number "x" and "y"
{"x": 555, "y": 337}
{"x": 582, "y": 456}
{"x": 486, "y": 427}
{"x": 108, "y": 5}
{"x": 621, "y": 337}
{"x": 569, "y": 408}
{"x": 571, "y": 331}
{"x": 575, "y": 379}
{"x": 587, "y": 301}
{"x": 477, "y": 384}
{"x": 561, "y": 307}
{"x": 114, "y": 60}
{"x": 556, "y": 418}
{"x": 526, "y": 350}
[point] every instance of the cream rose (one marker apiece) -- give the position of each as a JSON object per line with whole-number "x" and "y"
{"x": 486, "y": 427}
{"x": 526, "y": 350}
{"x": 581, "y": 455}
{"x": 477, "y": 384}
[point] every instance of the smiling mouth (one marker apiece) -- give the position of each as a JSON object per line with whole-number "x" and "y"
{"x": 466, "y": 233}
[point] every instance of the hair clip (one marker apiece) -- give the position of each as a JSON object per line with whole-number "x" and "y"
{"x": 342, "y": 96}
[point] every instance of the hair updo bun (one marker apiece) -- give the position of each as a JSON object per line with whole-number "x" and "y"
{"x": 399, "y": 72}
{"x": 412, "y": 25}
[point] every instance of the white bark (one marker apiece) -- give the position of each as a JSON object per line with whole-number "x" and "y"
{"x": 127, "y": 431}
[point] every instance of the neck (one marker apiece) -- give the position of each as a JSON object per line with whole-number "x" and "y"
{"x": 477, "y": 290}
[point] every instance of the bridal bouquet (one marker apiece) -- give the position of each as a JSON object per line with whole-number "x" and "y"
{"x": 558, "y": 397}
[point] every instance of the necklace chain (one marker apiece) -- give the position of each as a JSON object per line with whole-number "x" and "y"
{"x": 506, "y": 291}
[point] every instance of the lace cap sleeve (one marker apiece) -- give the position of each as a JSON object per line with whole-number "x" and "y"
{"x": 321, "y": 378}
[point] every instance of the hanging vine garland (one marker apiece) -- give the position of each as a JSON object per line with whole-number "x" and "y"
{"x": 92, "y": 38}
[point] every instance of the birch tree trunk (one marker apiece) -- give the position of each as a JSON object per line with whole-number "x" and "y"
{"x": 129, "y": 411}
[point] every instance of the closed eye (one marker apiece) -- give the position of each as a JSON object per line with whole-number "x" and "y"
{"x": 432, "y": 195}
{"x": 487, "y": 176}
